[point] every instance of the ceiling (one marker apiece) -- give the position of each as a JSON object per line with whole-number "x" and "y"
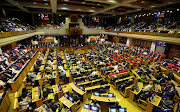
{"x": 88, "y": 7}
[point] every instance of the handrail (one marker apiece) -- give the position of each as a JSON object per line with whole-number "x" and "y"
{"x": 15, "y": 33}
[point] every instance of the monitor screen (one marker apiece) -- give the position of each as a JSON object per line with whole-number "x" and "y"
{"x": 113, "y": 110}
{"x": 94, "y": 108}
{"x": 65, "y": 95}
{"x": 96, "y": 94}
{"x": 70, "y": 98}
{"x": 122, "y": 110}
{"x": 86, "y": 106}
{"x": 110, "y": 95}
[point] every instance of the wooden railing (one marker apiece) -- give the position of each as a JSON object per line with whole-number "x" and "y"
{"x": 9, "y": 34}
{"x": 149, "y": 33}
{"x": 22, "y": 73}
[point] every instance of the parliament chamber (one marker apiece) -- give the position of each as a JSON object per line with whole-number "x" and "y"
{"x": 89, "y": 56}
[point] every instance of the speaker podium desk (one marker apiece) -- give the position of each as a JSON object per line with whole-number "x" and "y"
{"x": 104, "y": 101}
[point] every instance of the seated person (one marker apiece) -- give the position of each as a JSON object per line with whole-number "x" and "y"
{"x": 95, "y": 103}
{"x": 148, "y": 87}
{"x": 126, "y": 84}
{"x": 46, "y": 90}
{"x": 36, "y": 68}
{"x": 75, "y": 97}
{"x": 53, "y": 106}
{"x": 145, "y": 96}
{"x": 32, "y": 75}
{"x": 143, "y": 78}
{"x": 29, "y": 79}
{"x": 24, "y": 101}
{"x": 168, "y": 91}
{"x": 117, "y": 106}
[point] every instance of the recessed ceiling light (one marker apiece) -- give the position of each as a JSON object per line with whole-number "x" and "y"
{"x": 167, "y": 10}
{"x": 112, "y": 1}
{"x": 59, "y": 15}
{"x": 177, "y": 9}
{"x": 34, "y": 2}
{"x": 170, "y": 11}
{"x": 142, "y": 1}
{"x": 83, "y": 2}
{"x": 170, "y": 2}
{"x": 64, "y": 8}
{"x": 91, "y": 11}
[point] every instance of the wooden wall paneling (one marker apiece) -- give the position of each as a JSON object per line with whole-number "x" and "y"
{"x": 174, "y": 51}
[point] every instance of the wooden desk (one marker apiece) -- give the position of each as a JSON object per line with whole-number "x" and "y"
{"x": 40, "y": 80}
{"x": 35, "y": 97}
{"x": 56, "y": 91}
{"x": 151, "y": 104}
{"x": 54, "y": 67}
{"x": 41, "y": 68}
{"x": 104, "y": 99}
{"x": 96, "y": 87}
{"x": 68, "y": 75}
{"x": 40, "y": 109}
{"x": 65, "y": 89}
{"x": 68, "y": 103}
{"x": 44, "y": 61}
{"x": 158, "y": 87}
{"x": 77, "y": 90}
{"x": 140, "y": 85}
{"x": 56, "y": 77}
{"x": 132, "y": 93}
{"x": 4, "y": 106}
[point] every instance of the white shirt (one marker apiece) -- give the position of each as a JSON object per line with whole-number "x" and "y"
{"x": 147, "y": 88}
{"x": 94, "y": 73}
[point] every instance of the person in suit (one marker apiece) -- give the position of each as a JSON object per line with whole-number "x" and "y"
{"x": 168, "y": 91}
{"x": 95, "y": 103}
{"x": 117, "y": 106}
{"x": 53, "y": 106}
